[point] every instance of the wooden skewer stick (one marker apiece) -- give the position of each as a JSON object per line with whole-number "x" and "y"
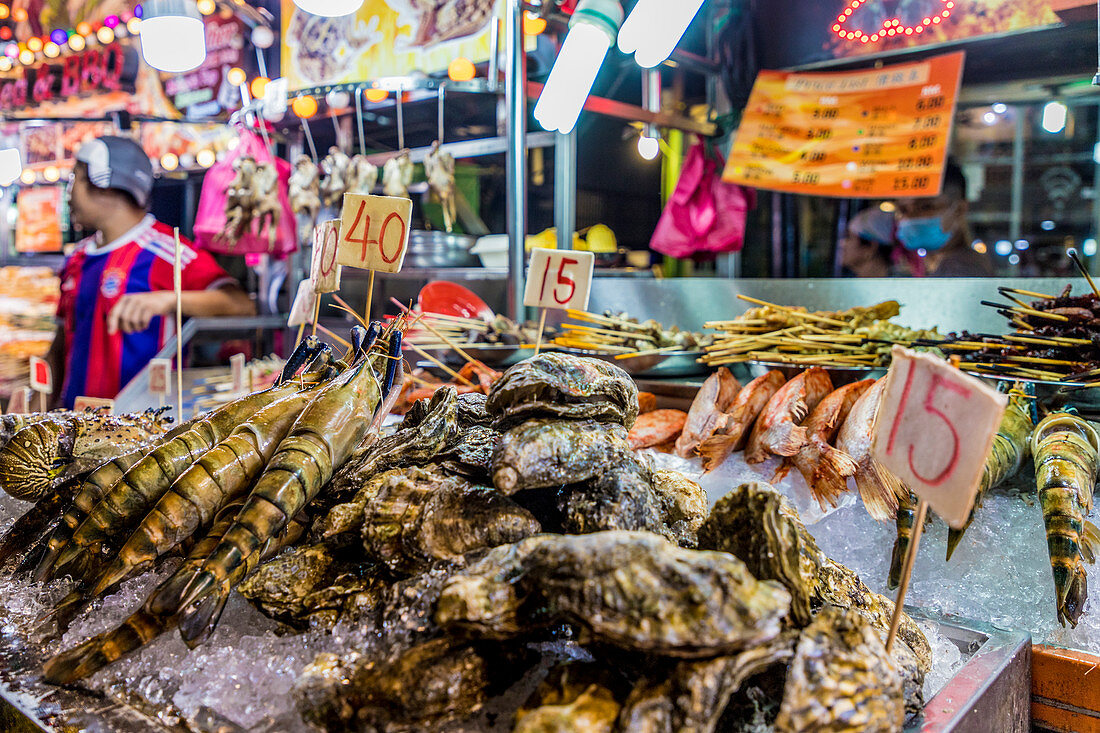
{"x": 795, "y": 312}
{"x": 1029, "y": 312}
{"x": 1084, "y": 270}
{"x": 648, "y": 352}
{"x": 1026, "y": 293}
{"x": 342, "y": 341}
{"x": 542, "y": 328}
{"x": 593, "y": 318}
{"x": 455, "y": 375}
{"x": 1048, "y": 340}
{"x": 445, "y": 340}
{"x": 906, "y": 571}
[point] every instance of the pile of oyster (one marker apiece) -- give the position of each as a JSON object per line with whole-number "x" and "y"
{"x": 515, "y": 566}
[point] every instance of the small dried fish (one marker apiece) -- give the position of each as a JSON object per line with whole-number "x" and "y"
{"x": 879, "y": 489}
{"x": 778, "y": 430}
{"x": 733, "y": 431}
{"x": 714, "y": 398}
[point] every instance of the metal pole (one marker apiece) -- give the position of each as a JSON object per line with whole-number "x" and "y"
{"x": 516, "y": 158}
{"x": 565, "y": 187}
{"x": 1016, "y": 220}
{"x": 359, "y": 119}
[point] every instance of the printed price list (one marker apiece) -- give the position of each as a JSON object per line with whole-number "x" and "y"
{"x": 875, "y": 133}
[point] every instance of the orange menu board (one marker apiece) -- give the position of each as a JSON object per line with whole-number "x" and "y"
{"x": 873, "y": 133}
{"x": 38, "y": 224}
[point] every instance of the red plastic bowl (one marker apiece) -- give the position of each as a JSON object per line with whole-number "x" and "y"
{"x": 451, "y": 299}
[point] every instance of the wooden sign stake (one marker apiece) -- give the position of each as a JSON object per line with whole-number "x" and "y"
{"x": 42, "y": 402}
{"x": 370, "y": 295}
{"x": 906, "y": 571}
{"x": 316, "y": 315}
{"x": 178, "y": 285}
{"x": 542, "y": 326}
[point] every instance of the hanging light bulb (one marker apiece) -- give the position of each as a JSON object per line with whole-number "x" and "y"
{"x": 648, "y": 147}
{"x": 376, "y": 95}
{"x": 329, "y": 8}
{"x": 27, "y": 177}
{"x": 77, "y": 42}
{"x": 236, "y": 76}
{"x": 173, "y": 37}
{"x": 10, "y": 166}
{"x": 206, "y": 157}
{"x": 654, "y": 27}
{"x": 169, "y": 161}
{"x": 262, "y": 36}
{"x": 591, "y": 32}
{"x": 1054, "y": 117}
{"x": 52, "y": 174}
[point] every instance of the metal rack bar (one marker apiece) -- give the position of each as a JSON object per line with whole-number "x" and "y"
{"x": 515, "y": 93}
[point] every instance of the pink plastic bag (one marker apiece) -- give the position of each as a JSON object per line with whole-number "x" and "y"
{"x": 210, "y": 221}
{"x": 704, "y": 215}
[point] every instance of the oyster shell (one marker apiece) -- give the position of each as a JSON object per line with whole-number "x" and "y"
{"x": 622, "y": 498}
{"x": 633, "y": 590}
{"x": 573, "y": 698}
{"x": 563, "y": 385}
{"x": 470, "y": 412}
{"x": 761, "y": 527}
{"x": 551, "y": 452}
{"x": 280, "y": 587}
{"x": 841, "y": 679}
{"x": 417, "y": 519}
{"x": 471, "y": 455}
{"x": 684, "y": 503}
{"x": 693, "y": 695}
{"x": 417, "y": 444}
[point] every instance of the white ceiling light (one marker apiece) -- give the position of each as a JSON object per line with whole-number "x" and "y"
{"x": 648, "y": 147}
{"x": 591, "y": 32}
{"x": 329, "y": 8}
{"x": 1054, "y": 117}
{"x": 654, "y": 27}
{"x": 173, "y": 38}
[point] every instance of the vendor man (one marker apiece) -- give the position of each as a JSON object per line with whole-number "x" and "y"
{"x": 117, "y": 285}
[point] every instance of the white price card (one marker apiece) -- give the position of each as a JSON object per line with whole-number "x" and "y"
{"x": 159, "y": 376}
{"x": 559, "y": 279}
{"x": 41, "y": 375}
{"x": 20, "y": 401}
{"x": 324, "y": 270}
{"x": 934, "y": 430}
{"x": 374, "y": 232}
{"x": 236, "y": 367}
{"x": 301, "y": 312}
{"x": 82, "y": 403}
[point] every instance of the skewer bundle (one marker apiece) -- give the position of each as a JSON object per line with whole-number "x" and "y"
{"x": 625, "y": 337}
{"x": 859, "y": 336}
{"x": 1057, "y": 338}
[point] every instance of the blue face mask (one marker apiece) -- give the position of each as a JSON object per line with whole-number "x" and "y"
{"x": 926, "y": 233}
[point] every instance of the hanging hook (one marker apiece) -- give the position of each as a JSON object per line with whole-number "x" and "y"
{"x": 309, "y": 139}
{"x": 442, "y": 95}
{"x": 359, "y": 120}
{"x": 400, "y": 123}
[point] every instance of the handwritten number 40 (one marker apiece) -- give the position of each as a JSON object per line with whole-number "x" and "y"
{"x": 937, "y": 383}
{"x": 563, "y": 279}
{"x": 366, "y": 239}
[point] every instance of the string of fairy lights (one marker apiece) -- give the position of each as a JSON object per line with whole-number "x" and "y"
{"x": 59, "y": 40}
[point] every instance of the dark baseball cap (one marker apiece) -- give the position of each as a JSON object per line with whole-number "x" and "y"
{"x": 119, "y": 163}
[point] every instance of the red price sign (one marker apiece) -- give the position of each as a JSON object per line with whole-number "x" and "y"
{"x": 559, "y": 279}
{"x": 41, "y": 375}
{"x": 934, "y": 430}
{"x": 159, "y": 371}
{"x": 374, "y": 232}
{"x": 82, "y": 403}
{"x": 324, "y": 270}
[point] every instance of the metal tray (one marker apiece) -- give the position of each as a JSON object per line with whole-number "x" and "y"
{"x": 668, "y": 364}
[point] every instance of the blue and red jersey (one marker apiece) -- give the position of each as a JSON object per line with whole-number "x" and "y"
{"x": 94, "y": 277}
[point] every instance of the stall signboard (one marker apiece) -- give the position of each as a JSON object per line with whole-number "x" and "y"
{"x": 41, "y": 375}
{"x": 559, "y": 279}
{"x": 803, "y": 32}
{"x": 206, "y": 91}
{"x": 384, "y": 38}
{"x": 324, "y": 270}
{"x": 873, "y": 133}
{"x": 159, "y": 379}
{"x": 374, "y": 232}
{"x": 38, "y": 220}
{"x": 110, "y": 68}
{"x": 934, "y": 430}
{"x": 301, "y": 310}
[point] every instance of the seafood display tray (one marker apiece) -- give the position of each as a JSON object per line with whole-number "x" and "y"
{"x": 493, "y": 355}
{"x": 989, "y": 692}
{"x": 838, "y": 375}
{"x": 669, "y": 364}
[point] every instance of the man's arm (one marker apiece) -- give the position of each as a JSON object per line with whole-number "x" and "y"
{"x": 133, "y": 312}
{"x": 55, "y": 357}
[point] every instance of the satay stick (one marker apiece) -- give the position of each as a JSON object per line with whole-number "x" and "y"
{"x": 455, "y": 375}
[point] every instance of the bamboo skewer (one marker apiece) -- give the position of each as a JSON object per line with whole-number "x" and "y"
{"x": 455, "y": 375}
{"x": 648, "y": 352}
{"x": 1027, "y": 311}
{"x": 794, "y": 311}
{"x": 1027, "y": 293}
{"x": 1084, "y": 270}
{"x": 447, "y": 341}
